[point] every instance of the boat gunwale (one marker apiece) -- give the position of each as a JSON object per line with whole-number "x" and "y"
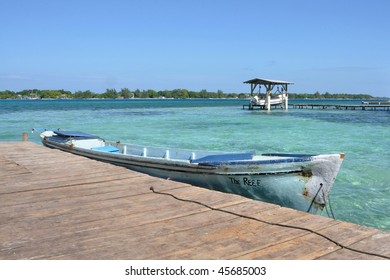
{"x": 285, "y": 159}
{"x": 167, "y": 164}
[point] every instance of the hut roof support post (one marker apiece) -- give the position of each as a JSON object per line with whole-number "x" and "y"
{"x": 253, "y": 88}
{"x": 269, "y": 88}
{"x": 285, "y": 97}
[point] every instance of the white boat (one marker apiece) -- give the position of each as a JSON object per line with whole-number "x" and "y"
{"x": 297, "y": 181}
{"x": 256, "y": 101}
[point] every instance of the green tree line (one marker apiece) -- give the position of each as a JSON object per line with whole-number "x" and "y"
{"x": 125, "y": 93}
{"x": 328, "y": 95}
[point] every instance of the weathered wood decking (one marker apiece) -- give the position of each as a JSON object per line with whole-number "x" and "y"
{"x": 54, "y": 205}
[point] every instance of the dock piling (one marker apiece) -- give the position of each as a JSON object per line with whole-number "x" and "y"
{"x": 24, "y": 136}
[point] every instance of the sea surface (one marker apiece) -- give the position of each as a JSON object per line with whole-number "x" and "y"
{"x": 360, "y": 194}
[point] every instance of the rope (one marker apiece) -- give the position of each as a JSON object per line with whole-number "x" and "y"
{"x": 326, "y": 209}
{"x": 272, "y": 224}
{"x": 330, "y": 208}
{"x": 312, "y": 202}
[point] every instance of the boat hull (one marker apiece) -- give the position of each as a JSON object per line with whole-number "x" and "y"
{"x": 285, "y": 189}
{"x": 303, "y": 183}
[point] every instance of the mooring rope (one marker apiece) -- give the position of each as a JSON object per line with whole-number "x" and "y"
{"x": 330, "y": 208}
{"x": 272, "y": 224}
{"x": 331, "y": 215}
{"x": 312, "y": 202}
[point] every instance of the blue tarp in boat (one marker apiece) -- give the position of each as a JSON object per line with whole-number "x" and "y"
{"x": 108, "y": 149}
{"x": 218, "y": 158}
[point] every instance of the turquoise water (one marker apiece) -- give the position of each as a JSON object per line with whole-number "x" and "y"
{"x": 361, "y": 193}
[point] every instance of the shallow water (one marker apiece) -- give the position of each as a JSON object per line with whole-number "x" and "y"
{"x": 361, "y": 193}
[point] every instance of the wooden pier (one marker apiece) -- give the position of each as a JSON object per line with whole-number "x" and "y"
{"x": 55, "y": 205}
{"x": 261, "y": 107}
{"x": 372, "y": 107}
{"x": 364, "y": 107}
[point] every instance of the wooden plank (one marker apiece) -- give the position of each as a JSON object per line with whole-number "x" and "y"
{"x": 113, "y": 226}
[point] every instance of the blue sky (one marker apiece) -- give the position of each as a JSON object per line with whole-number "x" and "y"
{"x": 336, "y": 46}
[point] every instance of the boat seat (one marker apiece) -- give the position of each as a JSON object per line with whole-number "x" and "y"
{"x": 108, "y": 149}
{"x": 223, "y": 158}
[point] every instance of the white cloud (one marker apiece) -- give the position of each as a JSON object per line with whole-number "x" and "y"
{"x": 13, "y": 77}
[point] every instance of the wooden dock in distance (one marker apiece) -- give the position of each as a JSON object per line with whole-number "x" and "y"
{"x": 261, "y": 107}
{"x": 364, "y": 107}
{"x": 55, "y": 205}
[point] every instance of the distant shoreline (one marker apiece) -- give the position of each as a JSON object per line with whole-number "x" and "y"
{"x": 125, "y": 93}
